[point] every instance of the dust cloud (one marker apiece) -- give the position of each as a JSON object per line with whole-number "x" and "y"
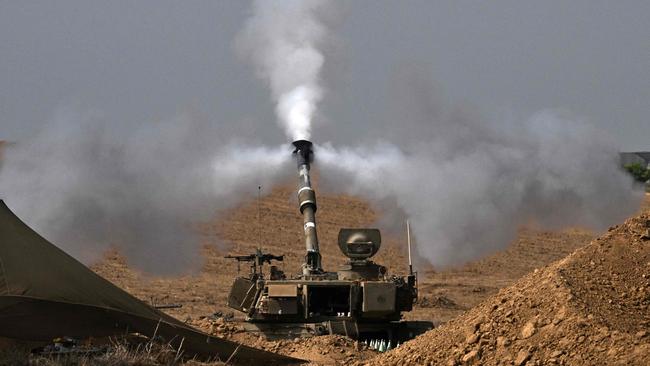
{"x": 467, "y": 184}
{"x": 88, "y": 187}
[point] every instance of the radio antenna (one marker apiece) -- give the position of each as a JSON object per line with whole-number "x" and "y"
{"x": 408, "y": 240}
{"x": 259, "y": 217}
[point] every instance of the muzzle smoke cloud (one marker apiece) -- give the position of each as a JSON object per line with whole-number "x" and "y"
{"x": 282, "y": 39}
{"x": 468, "y": 189}
{"x": 466, "y": 184}
{"x": 88, "y": 188}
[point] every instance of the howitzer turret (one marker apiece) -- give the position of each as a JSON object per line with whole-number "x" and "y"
{"x": 360, "y": 300}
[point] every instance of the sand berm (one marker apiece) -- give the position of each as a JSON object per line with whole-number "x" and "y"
{"x": 590, "y": 308}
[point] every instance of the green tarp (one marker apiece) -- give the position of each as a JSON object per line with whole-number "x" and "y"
{"x": 45, "y": 293}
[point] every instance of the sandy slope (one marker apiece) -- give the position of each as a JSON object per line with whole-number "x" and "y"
{"x": 591, "y": 308}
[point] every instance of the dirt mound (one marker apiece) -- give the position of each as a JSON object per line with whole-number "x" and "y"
{"x": 322, "y": 350}
{"x": 590, "y": 308}
{"x": 437, "y": 301}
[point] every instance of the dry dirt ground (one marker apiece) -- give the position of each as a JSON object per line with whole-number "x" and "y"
{"x": 448, "y": 294}
{"x": 590, "y": 308}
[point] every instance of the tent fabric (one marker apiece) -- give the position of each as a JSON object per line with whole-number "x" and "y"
{"x": 45, "y": 293}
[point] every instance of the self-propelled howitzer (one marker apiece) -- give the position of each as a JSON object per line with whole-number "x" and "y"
{"x": 360, "y": 300}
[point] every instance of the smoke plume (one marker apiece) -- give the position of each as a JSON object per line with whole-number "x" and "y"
{"x": 88, "y": 188}
{"x": 282, "y": 39}
{"x": 465, "y": 183}
{"x": 469, "y": 184}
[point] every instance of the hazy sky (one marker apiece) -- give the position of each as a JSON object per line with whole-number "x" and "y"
{"x": 136, "y": 61}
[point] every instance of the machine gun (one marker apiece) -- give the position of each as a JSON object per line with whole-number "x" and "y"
{"x": 257, "y": 259}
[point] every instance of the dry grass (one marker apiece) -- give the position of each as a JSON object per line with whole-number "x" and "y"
{"x": 118, "y": 354}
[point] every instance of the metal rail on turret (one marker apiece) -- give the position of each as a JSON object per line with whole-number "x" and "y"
{"x": 307, "y": 204}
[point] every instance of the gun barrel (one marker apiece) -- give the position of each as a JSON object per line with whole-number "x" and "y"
{"x": 307, "y": 204}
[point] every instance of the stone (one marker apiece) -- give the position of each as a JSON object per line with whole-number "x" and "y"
{"x": 483, "y": 342}
{"x": 522, "y": 357}
{"x": 528, "y": 330}
{"x": 646, "y": 235}
{"x": 470, "y": 356}
{"x": 472, "y": 338}
{"x": 503, "y": 342}
{"x": 477, "y": 322}
{"x": 556, "y": 354}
